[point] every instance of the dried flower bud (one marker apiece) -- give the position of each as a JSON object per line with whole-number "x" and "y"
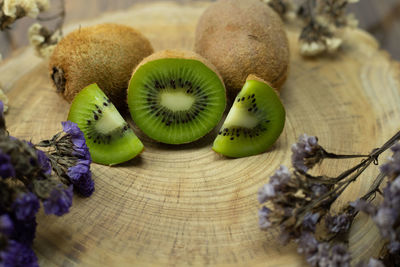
{"x": 17, "y": 254}
{"x": 4, "y": 101}
{"x": 306, "y": 153}
{"x": 20, "y": 8}
{"x": 371, "y": 263}
{"x": 43, "y": 40}
{"x": 26, "y": 206}
{"x": 263, "y": 218}
{"x": 392, "y": 167}
{"x": 338, "y": 223}
{"x": 277, "y": 183}
{"x": 6, "y": 225}
{"x": 59, "y": 201}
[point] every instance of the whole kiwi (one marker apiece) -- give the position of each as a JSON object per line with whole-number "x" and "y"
{"x": 105, "y": 54}
{"x": 242, "y": 38}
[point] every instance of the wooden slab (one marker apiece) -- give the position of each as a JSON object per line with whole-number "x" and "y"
{"x": 185, "y": 205}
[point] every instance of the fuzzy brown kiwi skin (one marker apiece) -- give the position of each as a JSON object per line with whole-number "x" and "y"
{"x": 242, "y": 38}
{"x": 179, "y": 54}
{"x": 104, "y": 54}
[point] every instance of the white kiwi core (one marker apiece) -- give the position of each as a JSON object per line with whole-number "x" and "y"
{"x": 176, "y": 100}
{"x": 109, "y": 121}
{"x": 240, "y": 117}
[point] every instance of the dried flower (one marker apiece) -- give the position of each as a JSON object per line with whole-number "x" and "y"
{"x": 6, "y": 167}
{"x": 43, "y": 40}
{"x": 371, "y": 263}
{"x": 26, "y": 206}
{"x": 3, "y": 100}
{"x": 17, "y": 254}
{"x": 322, "y": 254}
{"x": 323, "y": 19}
{"x": 59, "y": 202}
{"x": 297, "y": 201}
{"x": 306, "y": 153}
{"x": 44, "y": 162}
{"x": 285, "y": 8}
{"x": 392, "y": 167}
{"x": 339, "y": 223}
{"x": 81, "y": 177}
{"x": 27, "y": 178}
{"x": 6, "y": 225}
{"x": 263, "y": 219}
{"x": 275, "y": 185}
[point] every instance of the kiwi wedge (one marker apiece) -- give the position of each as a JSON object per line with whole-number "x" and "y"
{"x": 254, "y": 122}
{"x": 176, "y": 97}
{"x": 109, "y": 138}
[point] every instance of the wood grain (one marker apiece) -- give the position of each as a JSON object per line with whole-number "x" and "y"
{"x": 185, "y": 205}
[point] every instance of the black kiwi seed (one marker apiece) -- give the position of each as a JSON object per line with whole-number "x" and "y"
{"x": 96, "y": 117}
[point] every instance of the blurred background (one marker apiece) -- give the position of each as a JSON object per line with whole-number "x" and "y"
{"x": 381, "y": 18}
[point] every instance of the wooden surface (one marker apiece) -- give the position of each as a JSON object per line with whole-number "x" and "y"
{"x": 185, "y": 205}
{"x": 380, "y": 18}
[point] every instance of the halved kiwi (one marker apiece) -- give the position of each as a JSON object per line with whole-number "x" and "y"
{"x": 108, "y": 136}
{"x": 254, "y": 122}
{"x": 176, "y": 97}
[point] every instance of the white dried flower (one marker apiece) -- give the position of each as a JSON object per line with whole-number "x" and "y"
{"x": 351, "y": 21}
{"x": 43, "y": 40}
{"x": 31, "y": 8}
{"x": 35, "y": 38}
{"x": 332, "y": 44}
{"x": 311, "y": 49}
{"x": 4, "y": 99}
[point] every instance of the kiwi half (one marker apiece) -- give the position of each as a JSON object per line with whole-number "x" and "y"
{"x": 108, "y": 136}
{"x": 176, "y": 97}
{"x": 254, "y": 122}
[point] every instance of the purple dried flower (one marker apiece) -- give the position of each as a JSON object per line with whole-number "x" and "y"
{"x": 24, "y": 231}
{"x": 276, "y": 184}
{"x": 318, "y": 190}
{"x": 339, "y": 223}
{"x": 322, "y": 254}
{"x": 60, "y": 201}
{"x": 263, "y": 219}
{"x": 44, "y": 161}
{"x": 306, "y": 153}
{"x": 339, "y": 256}
{"x": 392, "y": 167}
{"x": 6, "y": 225}
{"x": 71, "y": 128}
{"x": 26, "y": 206}
{"x": 371, "y": 263}
{"x": 79, "y": 148}
{"x": 6, "y": 168}
{"x": 1, "y": 108}
{"x": 81, "y": 177}
{"x": 310, "y": 221}
{"x": 17, "y": 255}
{"x": 364, "y": 206}
{"x": 307, "y": 244}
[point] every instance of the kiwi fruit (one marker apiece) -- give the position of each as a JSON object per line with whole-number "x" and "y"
{"x": 109, "y": 138}
{"x": 176, "y": 97}
{"x": 105, "y": 54}
{"x": 241, "y": 38}
{"x": 254, "y": 122}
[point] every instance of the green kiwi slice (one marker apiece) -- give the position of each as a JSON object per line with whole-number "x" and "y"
{"x": 176, "y": 97}
{"x": 109, "y": 138}
{"x": 254, "y": 122}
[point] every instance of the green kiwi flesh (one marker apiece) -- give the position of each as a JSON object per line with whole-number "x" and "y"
{"x": 254, "y": 122}
{"x": 176, "y": 100}
{"x": 109, "y": 138}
